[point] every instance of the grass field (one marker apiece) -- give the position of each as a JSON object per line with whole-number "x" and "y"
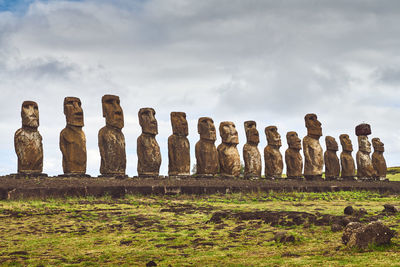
{"x": 183, "y": 230}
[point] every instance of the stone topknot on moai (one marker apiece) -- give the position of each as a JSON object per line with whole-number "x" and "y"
{"x": 251, "y": 154}
{"x": 206, "y": 153}
{"x": 313, "y": 156}
{"x": 332, "y": 165}
{"x": 272, "y": 155}
{"x": 178, "y": 146}
{"x": 111, "y": 138}
{"x": 346, "y": 159}
{"x": 228, "y": 155}
{"x": 365, "y": 169}
{"x": 73, "y": 140}
{"x": 293, "y": 158}
{"x": 28, "y": 141}
{"x": 148, "y": 150}
{"x": 378, "y": 161}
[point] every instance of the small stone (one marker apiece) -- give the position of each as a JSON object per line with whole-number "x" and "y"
{"x": 336, "y": 227}
{"x": 151, "y": 263}
{"x": 284, "y": 237}
{"x": 348, "y": 210}
{"x": 390, "y": 208}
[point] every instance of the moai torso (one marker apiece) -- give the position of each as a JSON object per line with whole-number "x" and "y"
{"x": 72, "y": 138}
{"x": 332, "y": 166}
{"x": 293, "y": 158}
{"x": 378, "y": 160}
{"x": 251, "y": 154}
{"x": 178, "y": 146}
{"x": 148, "y": 150}
{"x": 228, "y": 155}
{"x": 111, "y": 139}
{"x": 28, "y": 141}
{"x": 346, "y": 159}
{"x": 313, "y": 156}
{"x": 206, "y": 153}
{"x": 272, "y": 155}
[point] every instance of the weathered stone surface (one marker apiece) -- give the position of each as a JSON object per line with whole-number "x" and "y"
{"x": 363, "y": 129}
{"x": 349, "y": 210}
{"x": 365, "y": 169}
{"x": 206, "y": 153}
{"x": 361, "y": 236}
{"x": 348, "y": 167}
{"x": 251, "y": 154}
{"x": 178, "y": 146}
{"x": 148, "y": 150}
{"x": 284, "y": 237}
{"x": 313, "y": 156}
{"x": 28, "y": 141}
{"x": 111, "y": 138}
{"x": 293, "y": 158}
{"x": 389, "y": 208}
{"x": 378, "y": 160}
{"x": 72, "y": 138}
{"x": 332, "y": 166}
{"x": 272, "y": 155}
{"x": 228, "y": 155}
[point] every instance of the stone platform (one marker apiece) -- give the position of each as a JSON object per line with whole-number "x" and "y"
{"x": 58, "y": 187}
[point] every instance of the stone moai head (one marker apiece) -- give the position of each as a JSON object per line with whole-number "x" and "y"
{"x": 293, "y": 140}
{"x": 251, "y": 132}
{"x": 73, "y": 111}
{"x": 346, "y": 143}
{"x": 112, "y": 111}
{"x": 179, "y": 123}
{"x": 30, "y": 114}
{"x": 313, "y": 125}
{"x": 331, "y": 143}
{"x": 363, "y": 144}
{"x": 273, "y": 137}
{"x": 378, "y": 145}
{"x": 206, "y": 129}
{"x": 228, "y": 133}
{"x": 147, "y": 121}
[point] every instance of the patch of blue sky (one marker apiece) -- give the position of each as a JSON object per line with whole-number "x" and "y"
{"x": 20, "y": 6}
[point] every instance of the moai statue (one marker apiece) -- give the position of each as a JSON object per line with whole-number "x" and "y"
{"x": 313, "y": 156}
{"x": 28, "y": 142}
{"x": 111, "y": 139}
{"x": 332, "y": 166}
{"x": 272, "y": 155}
{"x": 251, "y": 154}
{"x": 378, "y": 161}
{"x": 206, "y": 153}
{"x": 348, "y": 168}
{"x": 365, "y": 169}
{"x": 148, "y": 150}
{"x": 228, "y": 155}
{"x": 178, "y": 146}
{"x": 73, "y": 140}
{"x": 293, "y": 158}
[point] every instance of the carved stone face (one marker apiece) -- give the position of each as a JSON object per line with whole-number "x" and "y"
{"x": 363, "y": 144}
{"x": 179, "y": 123}
{"x": 293, "y": 140}
{"x": 346, "y": 142}
{"x": 30, "y": 114}
{"x": 228, "y": 133}
{"x": 206, "y": 129}
{"x": 273, "y": 137}
{"x": 73, "y": 111}
{"x": 331, "y": 143}
{"x": 112, "y": 111}
{"x": 251, "y": 132}
{"x": 378, "y": 145}
{"x": 313, "y": 125}
{"x": 147, "y": 121}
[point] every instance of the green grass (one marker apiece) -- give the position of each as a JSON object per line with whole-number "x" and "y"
{"x": 393, "y": 173}
{"x": 175, "y": 230}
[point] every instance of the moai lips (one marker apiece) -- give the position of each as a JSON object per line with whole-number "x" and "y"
{"x": 206, "y": 153}
{"x": 251, "y": 154}
{"x": 293, "y": 158}
{"x": 178, "y": 146}
{"x": 378, "y": 160}
{"x": 272, "y": 155}
{"x": 346, "y": 159}
{"x": 332, "y": 165}
{"x": 228, "y": 155}
{"x": 111, "y": 138}
{"x": 148, "y": 150}
{"x": 73, "y": 140}
{"x": 313, "y": 156}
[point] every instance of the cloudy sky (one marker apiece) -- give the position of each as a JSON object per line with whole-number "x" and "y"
{"x": 268, "y": 61}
